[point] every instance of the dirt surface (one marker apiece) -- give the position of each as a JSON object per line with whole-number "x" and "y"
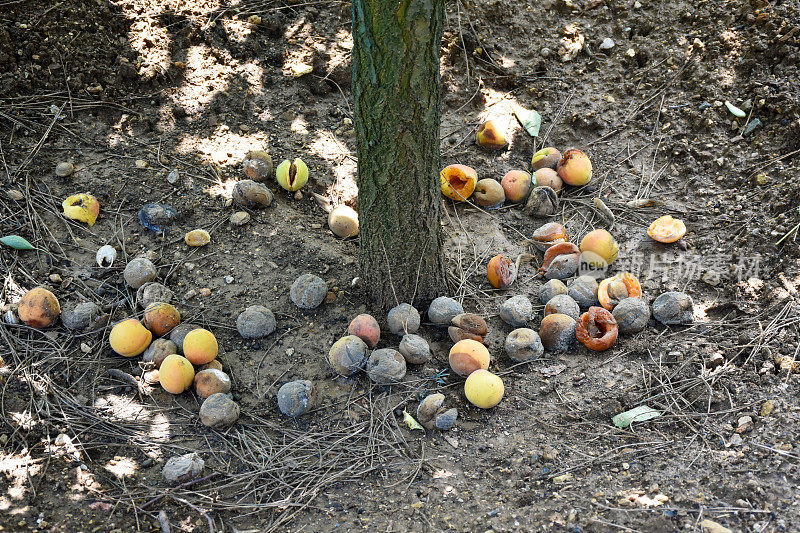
{"x": 130, "y": 91}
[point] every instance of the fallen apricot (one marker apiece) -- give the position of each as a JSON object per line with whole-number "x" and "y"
{"x": 547, "y": 177}
{"x": 467, "y": 326}
{"x": 197, "y": 237}
{"x": 542, "y": 202}
{"x": 560, "y": 261}
{"x": 200, "y": 346}
{"x": 81, "y": 207}
{"x": 343, "y": 221}
{"x": 612, "y": 290}
{"x": 517, "y": 185}
{"x": 366, "y": 328}
{"x": 467, "y": 356}
{"x": 574, "y": 168}
{"x": 557, "y": 332}
{"x": 545, "y": 158}
{"x": 176, "y": 374}
{"x": 257, "y": 165}
{"x": 39, "y": 308}
{"x": 458, "y": 182}
{"x": 484, "y": 389}
{"x": 489, "y": 136}
{"x": 292, "y": 175}
{"x": 597, "y": 329}
{"x": 160, "y": 318}
{"x": 632, "y": 315}
{"x": 501, "y": 272}
{"x": 667, "y": 229}
{"x": 211, "y": 381}
{"x": 129, "y": 337}
{"x": 489, "y": 193}
{"x": 599, "y": 249}
{"x": 347, "y": 355}
{"x": 549, "y": 234}
{"x": 563, "y": 304}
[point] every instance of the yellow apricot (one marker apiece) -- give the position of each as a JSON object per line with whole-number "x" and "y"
{"x": 129, "y": 337}
{"x": 200, "y": 346}
{"x": 176, "y": 374}
{"x": 467, "y": 356}
{"x": 484, "y": 389}
{"x": 458, "y": 182}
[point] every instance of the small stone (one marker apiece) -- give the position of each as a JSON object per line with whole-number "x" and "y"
{"x": 296, "y": 398}
{"x": 240, "y": 218}
{"x": 139, "y": 271}
{"x": 709, "y": 526}
{"x": 182, "y": 468}
{"x": 255, "y": 322}
{"x": 16, "y": 195}
{"x": 85, "y": 348}
{"x": 55, "y": 278}
{"x": 62, "y": 439}
{"x": 157, "y": 217}
{"x": 218, "y": 410}
{"x": 751, "y": 126}
{"x": 712, "y": 277}
{"x": 762, "y": 178}
{"x": 173, "y": 177}
{"x": 141, "y": 163}
{"x": 204, "y": 292}
{"x": 516, "y": 311}
{"x": 715, "y": 360}
{"x": 308, "y": 291}
{"x": 229, "y": 279}
{"x": 767, "y": 408}
{"x": 64, "y": 169}
{"x": 386, "y": 366}
{"x": 744, "y": 424}
{"x": 443, "y": 309}
{"x": 80, "y": 316}
{"x": 300, "y": 69}
{"x": 403, "y": 319}
{"x": 415, "y": 349}
{"x": 607, "y": 44}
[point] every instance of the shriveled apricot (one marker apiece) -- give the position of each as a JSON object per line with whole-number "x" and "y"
{"x": 200, "y": 346}
{"x": 39, "y": 308}
{"x": 549, "y": 234}
{"x": 616, "y": 288}
{"x": 458, "y": 182}
{"x": 467, "y": 326}
{"x": 667, "y": 229}
{"x": 560, "y": 261}
{"x": 468, "y": 356}
{"x": 597, "y": 329}
{"x": 176, "y": 374}
{"x": 501, "y": 272}
{"x": 129, "y": 337}
{"x": 160, "y": 318}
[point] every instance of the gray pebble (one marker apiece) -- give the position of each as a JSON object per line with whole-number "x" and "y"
{"x": 516, "y": 311}
{"x": 64, "y": 169}
{"x": 308, "y": 291}
{"x": 255, "y": 322}
{"x": 296, "y": 397}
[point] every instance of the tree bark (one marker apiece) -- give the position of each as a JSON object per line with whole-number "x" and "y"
{"x": 397, "y": 97}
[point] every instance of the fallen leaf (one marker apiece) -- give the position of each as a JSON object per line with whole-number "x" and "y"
{"x": 16, "y": 242}
{"x": 637, "y": 414}
{"x": 411, "y": 421}
{"x": 529, "y": 119}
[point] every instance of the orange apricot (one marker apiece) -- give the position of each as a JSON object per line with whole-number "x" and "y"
{"x": 667, "y": 229}
{"x": 616, "y": 288}
{"x": 501, "y": 272}
{"x": 597, "y": 329}
{"x": 366, "y": 328}
{"x": 599, "y": 248}
{"x": 458, "y": 182}
{"x": 176, "y": 374}
{"x": 200, "y": 346}
{"x": 129, "y": 337}
{"x": 548, "y": 177}
{"x": 39, "y": 308}
{"x": 574, "y": 168}
{"x": 160, "y": 318}
{"x": 517, "y": 185}
{"x": 489, "y": 136}
{"x": 468, "y": 356}
{"x": 545, "y": 158}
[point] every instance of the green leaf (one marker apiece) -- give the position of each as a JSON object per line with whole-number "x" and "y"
{"x": 530, "y": 120}
{"x": 412, "y": 423}
{"x": 16, "y": 242}
{"x": 735, "y": 110}
{"x": 637, "y": 414}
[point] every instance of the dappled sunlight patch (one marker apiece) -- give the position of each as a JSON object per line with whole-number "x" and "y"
{"x": 15, "y": 471}
{"x": 150, "y": 41}
{"x": 342, "y": 164}
{"x": 500, "y": 108}
{"x": 222, "y": 188}
{"x": 299, "y": 125}
{"x": 121, "y": 466}
{"x": 224, "y": 147}
{"x": 204, "y": 78}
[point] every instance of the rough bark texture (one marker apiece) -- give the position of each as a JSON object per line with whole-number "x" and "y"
{"x": 396, "y": 91}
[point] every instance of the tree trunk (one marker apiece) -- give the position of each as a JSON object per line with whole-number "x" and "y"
{"x": 397, "y": 96}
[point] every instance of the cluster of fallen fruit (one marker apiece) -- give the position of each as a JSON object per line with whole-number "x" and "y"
{"x": 188, "y": 357}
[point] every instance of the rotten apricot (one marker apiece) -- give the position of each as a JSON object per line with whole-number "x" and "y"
{"x": 517, "y": 185}
{"x": 501, "y": 271}
{"x": 667, "y": 229}
{"x": 458, "y": 182}
{"x": 597, "y": 329}
{"x": 616, "y": 288}
{"x": 467, "y": 356}
{"x": 39, "y": 308}
{"x": 490, "y": 136}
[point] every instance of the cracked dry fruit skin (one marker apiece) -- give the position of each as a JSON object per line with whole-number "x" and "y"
{"x": 292, "y": 175}
{"x": 549, "y": 234}
{"x": 490, "y": 136}
{"x": 667, "y": 229}
{"x": 129, "y": 338}
{"x": 458, "y": 182}
{"x": 574, "y": 168}
{"x": 484, "y": 389}
{"x": 599, "y": 248}
{"x": 467, "y": 326}
{"x": 501, "y": 271}
{"x": 597, "y": 329}
{"x": 616, "y": 288}
{"x": 176, "y": 374}
{"x": 81, "y": 207}
{"x": 467, "y": 356}
{"x": 257, "y": 165}
{"x": 38, "y": 308}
